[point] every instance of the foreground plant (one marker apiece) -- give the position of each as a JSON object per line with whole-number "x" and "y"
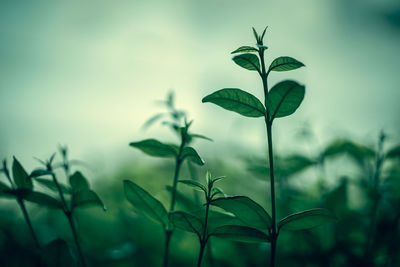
{"x": 201, "y": 224}
{"x": 142, "y": 201}
{"x": 280, "y": 101}
{"x": 78, "y": 191}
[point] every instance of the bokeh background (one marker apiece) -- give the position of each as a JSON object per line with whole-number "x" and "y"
{"x": 88, "y": 74}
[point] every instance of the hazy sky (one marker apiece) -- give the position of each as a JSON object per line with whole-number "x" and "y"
{"x": 87, "y": 73}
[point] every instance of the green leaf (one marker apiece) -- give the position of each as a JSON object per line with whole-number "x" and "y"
{"x": 155, "y": 148}
{"x": 356, "y": 151}
{"x": 247, "y": 61}
{"x": 78, "y": 182}
{"x": 285, "y": 64}
{"x": 187, "y": 222}
{"x": 185, "y": 201}
{"x": 200, "y": 136}
{"x": 44, "y": 200}
{"x": 3, "y": 187}
{"x": 394, "y": 152}
{"x": 52, "y": 186}
{"x": 306, "y": 219}
{"x": 238, "y": 101}
{"x": 57, "y": 253}
{"x": 191, "y": 154}
{"x": 246, "y": 210}
{"x": 144, "y": 203}
{"x": 39, "y": 172}
{"x": 20, "y": 193}
{"x": 240, "y": 233}
{"x": 20, "y": 176}
{"x": 284, "y": 98}
{"x": 245, "y": 49}
{"x": 195, "y": 185}
{"x": 86, "y": 197}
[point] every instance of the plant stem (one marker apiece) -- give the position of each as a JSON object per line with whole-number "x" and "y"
{"x": 202, "y": 246}
{"x": 28, "y": 221}
{"x": 168, "y": 234}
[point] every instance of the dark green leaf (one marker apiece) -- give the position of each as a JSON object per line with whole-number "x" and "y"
{"x": 284, "y": 98}
{"x": 186, "y": 221}
{"x": 43, "y": 199}
{"x": 394, "y": 152}
{"x": 78, "y": 182}
{"x": 255, "y": 34}
{"x": 191, "y": 154}
{"x": 155, "y": 148}
{"x": 245, "y": 49}
{"x": 86, "y": 197}
{"x": 144, "y": 203}
{"x": 201, "y": 137}
{"x": 237, "y": 100}
{"x": 247, "y": 61}
{"x": 186, "y": 202}
{"x": 285, "y": 64}
{"x": 240, "y": 233}
{"x": 3, "y": 187}
{"x": 20, "y": 176}
{"x": 57, "y": 254}
{"x": 18, "y": 193}
{"x": 306, "y": 219}
{"x": 52, "y": 186}
{"x": 195, "y": 185}
{"x": 39, "y": 172}
{"x": 246, "y": 210}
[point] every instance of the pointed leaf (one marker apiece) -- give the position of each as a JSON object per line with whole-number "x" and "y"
{"x": 86, "y": 197}
{"x": 187, "y": 222}
{"x": 306, "y": 219}
{"x": 245, "y": 49}
{"x": 155, "y": 148}
{"x": 284, "y": 98}
{"x": 152, "y": 120}
{"x": 144, "y": 203}
{"x": 394, "y": 152}
{"x": 191, "y": 154}
{"x": 39, "y": 172}
{"x": 195, "y": 185}
{"x": 20, "y": 176}
{"x": 78, "y": 182}
{"x": 44, "y": 200}
{"x": 285, "y": 64}
{"x": 238, "y": 101}
{"x": 246, "y": 210}
{"x": 4, "y": 187}
{"x": 357, "y": 152}
{"x": 240, "y": 233}
{"x": 200, "y": 136}
{"x": 52, "y": 186}
{"x": 183, "y": 200}
{"x": 57, "y": 253}
{"x": 247, "y": 61}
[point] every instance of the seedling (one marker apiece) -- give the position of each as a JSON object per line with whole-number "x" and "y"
{"x": 78, "y": 191}
{"x": 281, "y": 100}
{"x": 202, "y": 225}
{"x": 137, "y": 196}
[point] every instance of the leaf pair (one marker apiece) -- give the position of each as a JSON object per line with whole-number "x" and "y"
{"x": 282, "y": 100}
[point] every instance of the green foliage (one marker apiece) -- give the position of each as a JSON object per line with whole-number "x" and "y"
{"x": 306, "y": 219}
{"x": 247, "y": 61}
{"x": 57, "y": 253}
{"x": 245, "y": 49}
{"x": 191, "y": 154}
{"x": 187, "y": 222}
{"x": 21, "y": 178}
{"x": 155, "y": 148}
{"x": 86, "y": 197}
{"x": 285, "y": 64}
{"x": 238, "y": 101}
{"x": 43, "y": 200}
{"x": 144, "y": 203}
{"x": 240, "y": 233}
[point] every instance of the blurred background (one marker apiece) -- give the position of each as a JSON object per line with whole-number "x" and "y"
{"x": 88, "y": 74}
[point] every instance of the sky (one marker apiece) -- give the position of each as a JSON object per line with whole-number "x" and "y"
{"x": 88, "y": 73}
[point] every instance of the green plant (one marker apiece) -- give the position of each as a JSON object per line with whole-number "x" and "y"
{"x": 281, "y": 100}
{"x": 78, "y": 191}
{"x": 202, "y": 223}
{"x": 137, "y": 196}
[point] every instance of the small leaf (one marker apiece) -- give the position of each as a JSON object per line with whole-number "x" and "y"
{"x": 238, "y": 101}
{"x": 246, "y": 210}
{"x": 200, "y": 136}
{"x": 394, "y": 152}
{"x": 214, "y": 180}
{"x": 285, "y": 64}
{"x": 245, "y": 49}
{"x": 217, "y": 191}
{"x": 284, "y": 98}
{"x": 57, "y": 253}
{"x": 43, "y": 199}
{"x": 240, "y": 233}
{"x": 306, "y": 219}
{"x": 144, "y": 203}
{"x": 20, "y": 176}
{"x": 52, "y": 186}
{"x": 191, "y": 154}
{"x": 78, "y": 182}
{"x": 255, "y": 34}
{"x": 155, "y": 148}
{"x": 39, "y": 172}
{"x": 152, "y": 120}
{"x": 195, "y": 185}
{"x": 187, "y": 222}
{"x": 86, "y": 197}
{"x": 247, "y": 61}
